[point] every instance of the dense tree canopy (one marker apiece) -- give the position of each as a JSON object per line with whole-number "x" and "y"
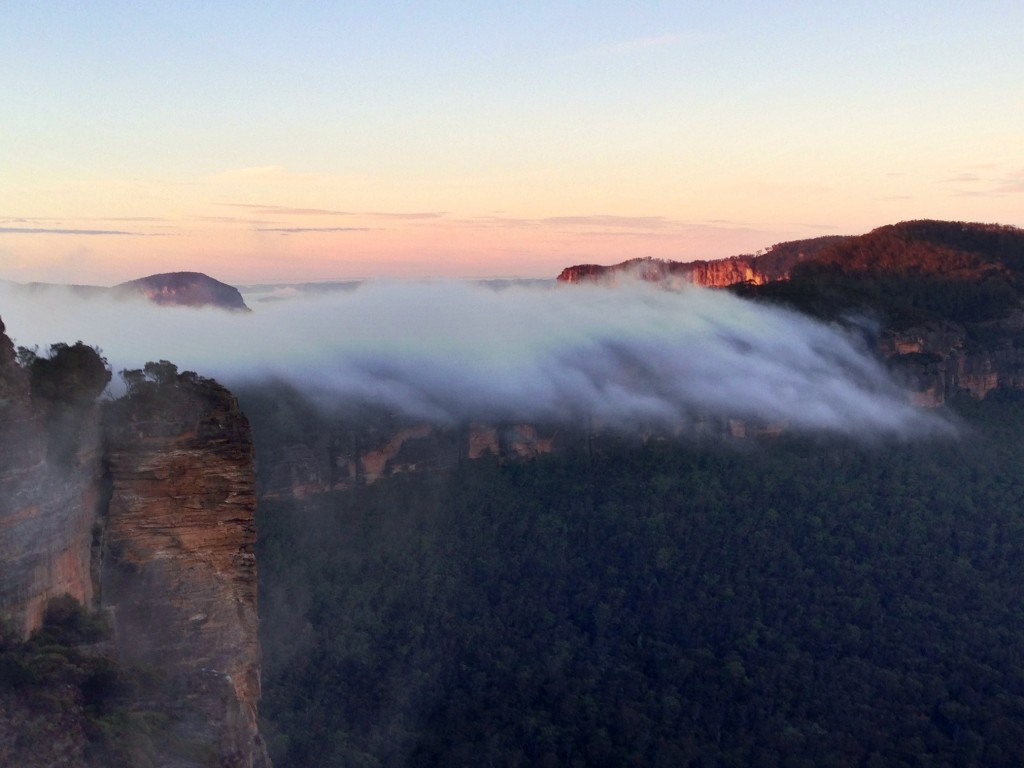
{"x": 910, "y": 273}
{"x": 71, "y": 374}
{"x": 794, "y": 602}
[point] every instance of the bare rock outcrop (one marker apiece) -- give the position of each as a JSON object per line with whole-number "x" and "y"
{"x": 51, "y": 484}
{"x": 719, "y": 273}
{"x": 146, "y": 514}
{"x": 775, "y": 263}
{"x": 346, "y": 453}
{"x": 179, "y": 573}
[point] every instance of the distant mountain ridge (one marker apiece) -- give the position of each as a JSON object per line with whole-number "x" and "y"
{"x": 944, "y": 300}
{"x": 963, "y": 250}
{"x": 774, "y": 264}
{"x": 182, "y": 289}
{"x": 954, "y": 249}
{"x": 908, "y": 273}
{"x": 190, "y": 289}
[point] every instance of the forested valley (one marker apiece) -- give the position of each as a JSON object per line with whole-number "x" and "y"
{"x": 792, "y": 601}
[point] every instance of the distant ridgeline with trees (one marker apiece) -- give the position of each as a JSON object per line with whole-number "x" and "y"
{"x": 910, "y": 273}
{"x": 943, "y": 301}
{"x": 905, "y": 273}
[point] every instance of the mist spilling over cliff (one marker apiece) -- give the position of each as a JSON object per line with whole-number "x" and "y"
{"x": 450, "y": 351}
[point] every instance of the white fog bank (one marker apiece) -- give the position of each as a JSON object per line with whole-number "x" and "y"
{"x": 452, "y": 351}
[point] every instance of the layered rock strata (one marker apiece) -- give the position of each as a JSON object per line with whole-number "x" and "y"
{"x": 179, "y": 573}
{"x": 775, "y": 263}
{"x": 327, "y": 463}
{"x": 145, "y": 514}
{"x": 51, "y": 484}
{"x": 937, "y": 362}
{"x": 719, "y": 273}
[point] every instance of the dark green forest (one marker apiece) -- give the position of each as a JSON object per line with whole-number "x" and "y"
{"x": 795, "y": 602}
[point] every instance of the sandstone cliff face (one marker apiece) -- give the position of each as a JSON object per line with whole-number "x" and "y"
{"x": 977, "y": 351}
{"x": 179, "y": 573}
{"x": 50, "y": 489}
{"x": 719, "y": 273}
{"x": 361, "y": 456}
{"x": 775, "y": 263}
{"x": 146, "y": 515}
{"x": 937, "y": 361}
{"x": 325, "y": 463}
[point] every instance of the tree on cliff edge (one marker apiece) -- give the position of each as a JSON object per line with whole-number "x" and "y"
{"x": 72, "y": 375}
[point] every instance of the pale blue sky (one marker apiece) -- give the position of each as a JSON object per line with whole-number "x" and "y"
{"x": 766, "y": 121}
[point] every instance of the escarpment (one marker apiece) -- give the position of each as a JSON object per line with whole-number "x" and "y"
{"x": 50, "y": 480}
{"x": 775, "y": 263}
{"x": 179, "y": 573}
{"x": 142, "y": 512}
{"x": 945, "y": 298}
{"x": 340, "y": 453}
{"x": 715, "y": 274}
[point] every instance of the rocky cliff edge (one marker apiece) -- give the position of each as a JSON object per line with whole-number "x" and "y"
{"x": 145, "y": 516}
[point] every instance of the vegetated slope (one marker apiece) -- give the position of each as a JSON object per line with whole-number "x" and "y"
{"x": 64, "y": 701}
{"x": 671, "y": 604}
{"x": 908, "y": 272}
{"x": 943, "y": 301}
{"x": 956, "y": 248}
{"x": 911, "y": 272}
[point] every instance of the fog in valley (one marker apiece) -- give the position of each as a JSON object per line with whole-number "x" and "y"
{"x": 454, "y": 351}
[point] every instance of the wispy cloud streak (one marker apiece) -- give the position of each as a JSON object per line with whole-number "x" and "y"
{"x": 268, "y": 210}
{"x": 57, "y": 231}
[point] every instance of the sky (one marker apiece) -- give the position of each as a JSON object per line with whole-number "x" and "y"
{"x": 276, "y": 142}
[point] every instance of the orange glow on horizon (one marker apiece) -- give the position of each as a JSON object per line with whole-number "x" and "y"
{"x": 298, "y": 251}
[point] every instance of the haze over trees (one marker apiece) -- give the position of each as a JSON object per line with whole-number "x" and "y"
{"x": 799, "y": 599}
{"x": 791, "y": 601}
{"x": 804, "y": 602}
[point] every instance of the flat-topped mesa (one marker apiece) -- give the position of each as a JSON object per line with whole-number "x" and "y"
{"x": 179, "y": 573}
{"x": 190, "y": 289}
{"x": 774, "y": 264}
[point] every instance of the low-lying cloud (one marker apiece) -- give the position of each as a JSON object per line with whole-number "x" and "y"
{"x": 455, "y": 351}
